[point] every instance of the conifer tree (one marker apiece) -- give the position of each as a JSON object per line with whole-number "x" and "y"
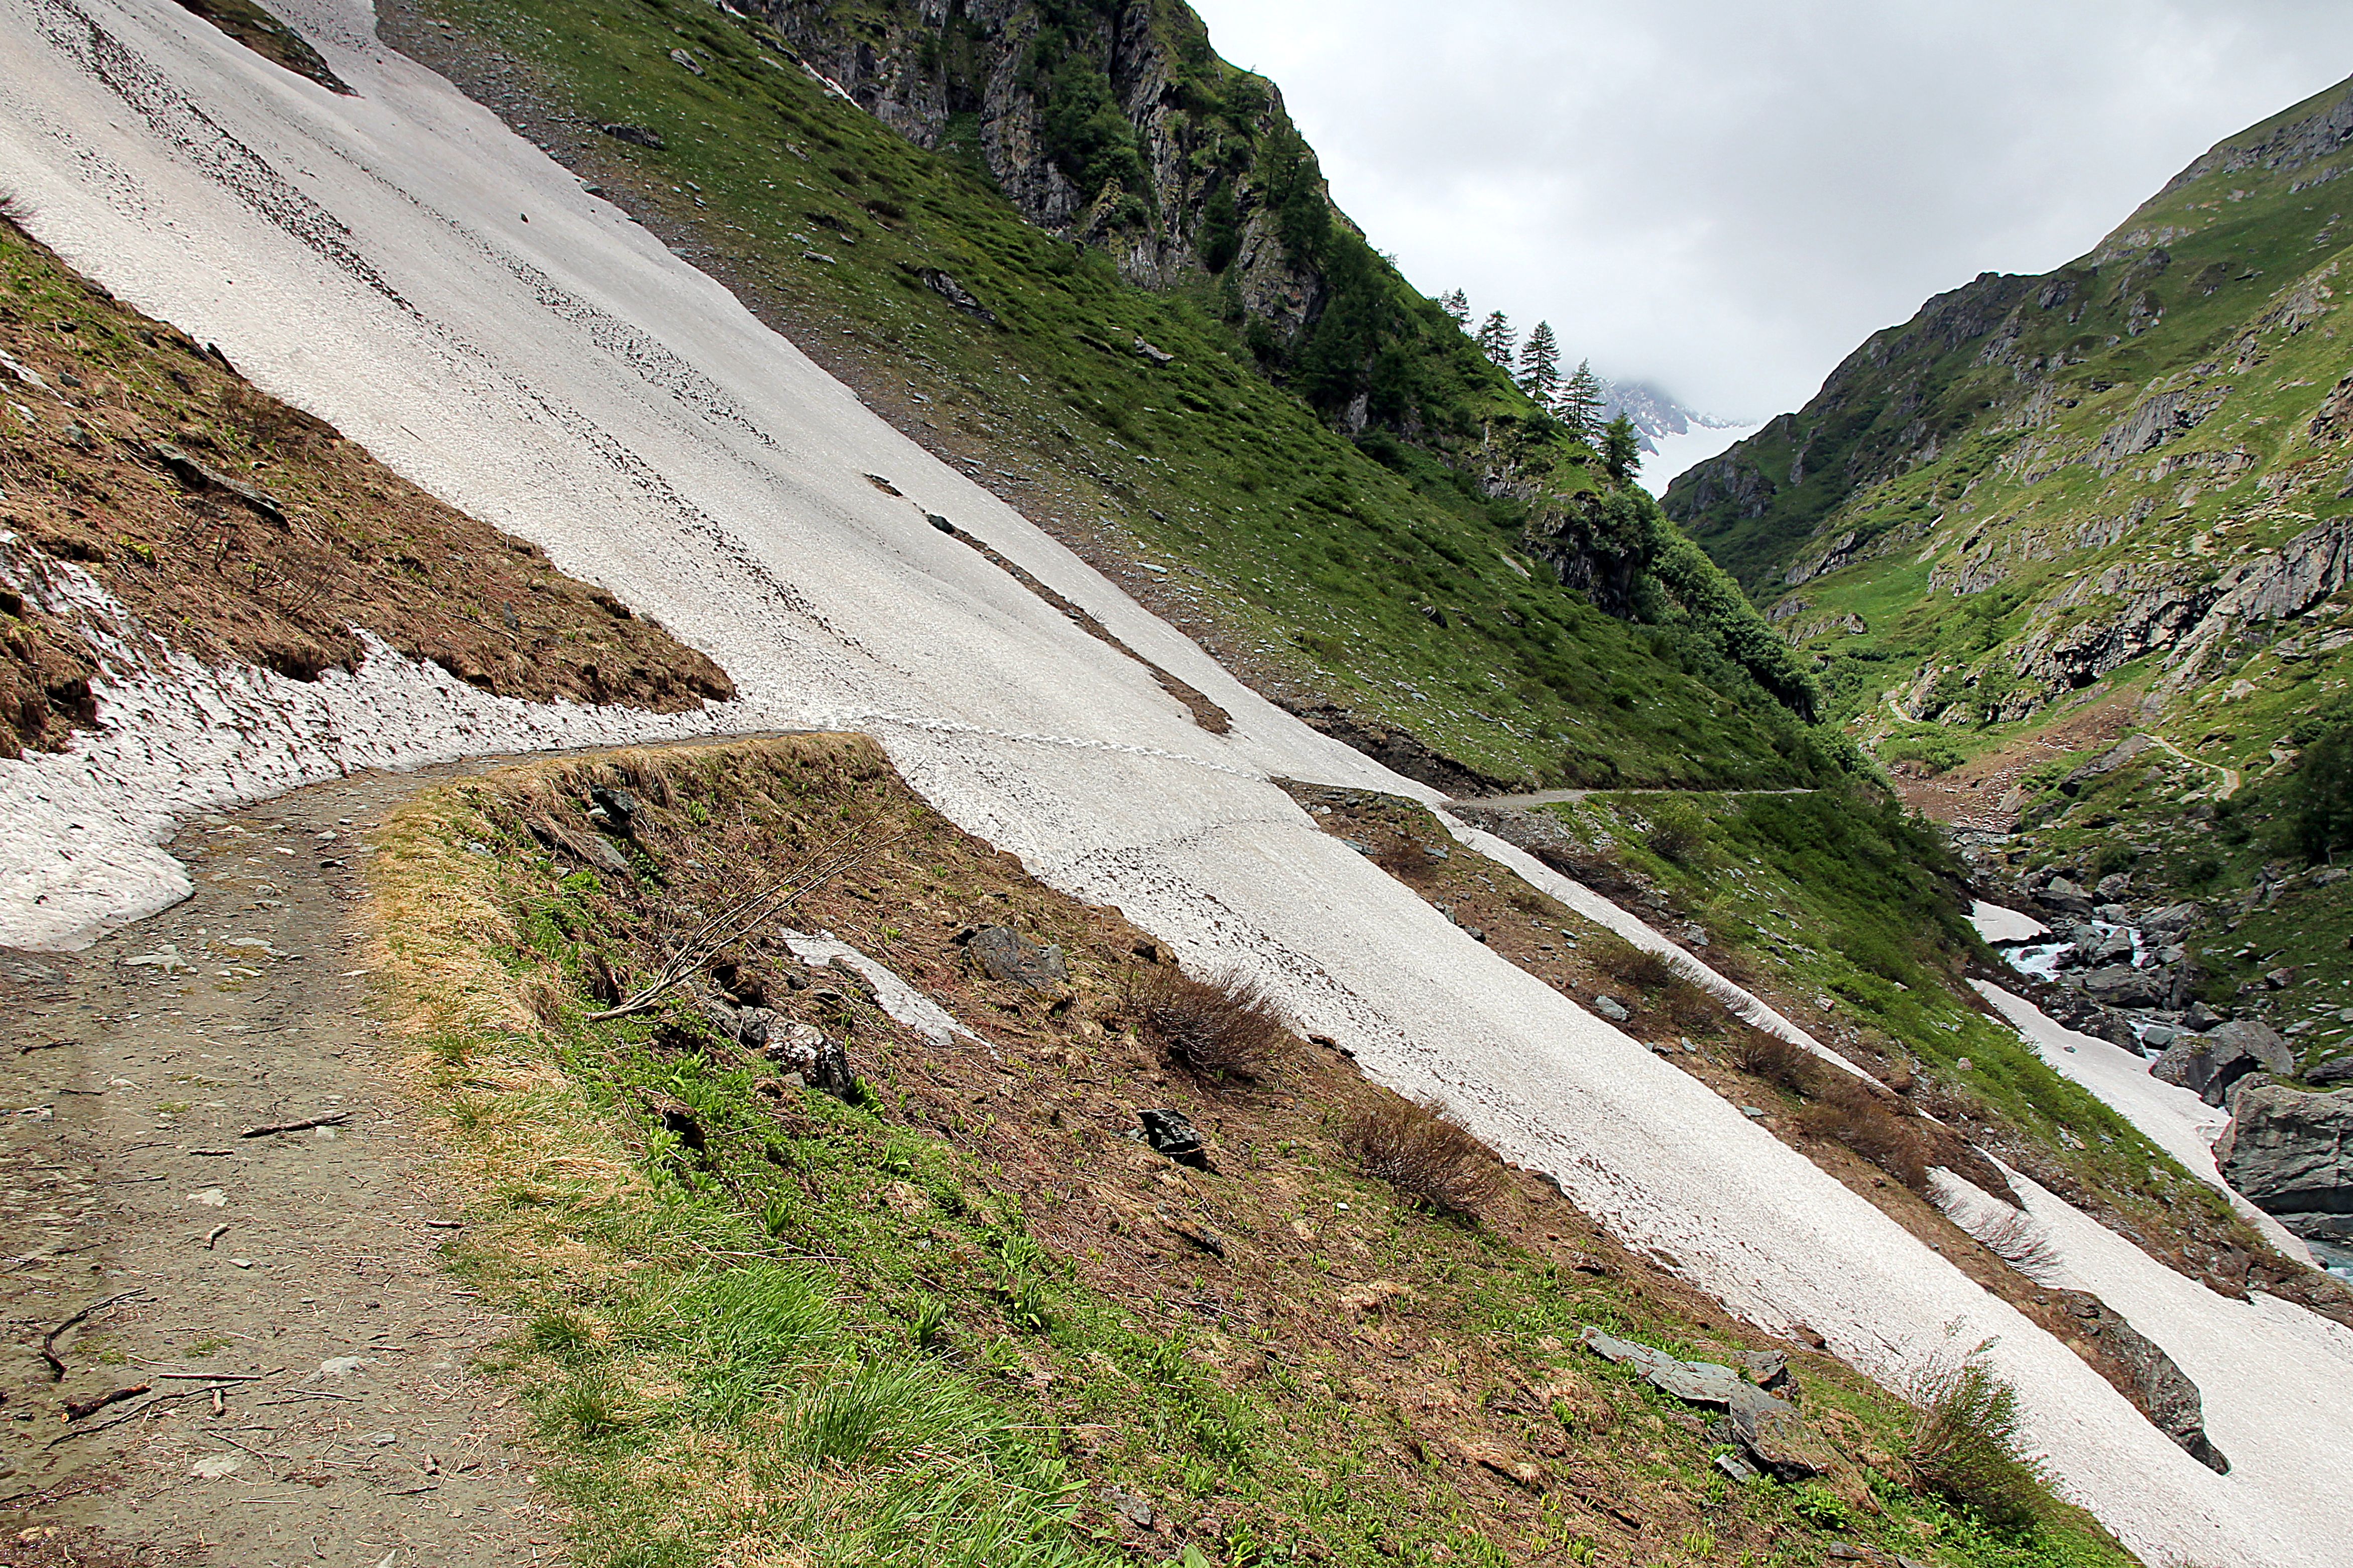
{"x": 1457, "y": 307}
{"x": 1621, "y": 450}
{"x": 1540, "y": 366}
{"x": 1581, "y": 402}
{"x": 1496, "y": 338}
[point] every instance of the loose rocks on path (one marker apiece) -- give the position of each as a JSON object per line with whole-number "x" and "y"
{"x": 304, "y": 1358}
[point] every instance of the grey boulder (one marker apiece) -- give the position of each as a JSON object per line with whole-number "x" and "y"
{"x": 1004, "y": 953}
{"x": 2122, "y": 985}
{"x": 2290, "y": 1152}
{"x": 2209, "y": 1064}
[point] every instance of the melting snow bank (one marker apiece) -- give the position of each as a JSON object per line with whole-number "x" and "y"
{"x": 2173, "y": 1119}
{"x": 2004, "y": 926}
{"x": 401, "y": 265}
{"x": 2275, "y": 1380}
{"x": 81, "y": 830}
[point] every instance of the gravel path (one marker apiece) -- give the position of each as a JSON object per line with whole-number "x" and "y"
{"x": 308, "y": 1358}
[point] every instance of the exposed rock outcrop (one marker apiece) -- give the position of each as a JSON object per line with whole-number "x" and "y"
{"x": 990, "y": 75}
{"x": 2144, "y": 1373}
{"x": 2291, "y": 1153}
{"x": 2209, "y": 1064}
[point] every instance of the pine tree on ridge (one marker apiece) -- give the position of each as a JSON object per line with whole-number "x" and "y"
{"x": 1540, "y": 366}
{"x": 1496, "y": 339}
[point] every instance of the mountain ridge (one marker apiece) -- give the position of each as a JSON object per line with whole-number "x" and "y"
{"x": 2104, "y": 507}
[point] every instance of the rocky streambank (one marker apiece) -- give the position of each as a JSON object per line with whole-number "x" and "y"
{"x": 2127, "y": 976}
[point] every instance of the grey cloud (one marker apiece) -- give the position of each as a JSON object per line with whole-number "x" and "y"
{"x": 1725, "y": 196}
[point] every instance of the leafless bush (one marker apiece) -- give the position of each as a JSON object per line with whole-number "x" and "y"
{"x": 1772, "y": 1059}
{"x": 2019, "y": 1240}
{"x": 1850, "y": 1114}
{"x": 2013, "y": 1235}
{"x": 1415, "y": 1149}
{"x": 1227, "y": 1026}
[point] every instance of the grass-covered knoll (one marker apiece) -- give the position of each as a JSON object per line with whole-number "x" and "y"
{"x": 1366, "y": 574}
{"x": 962, "y": 1315}
{"x": 1842, "y": 911}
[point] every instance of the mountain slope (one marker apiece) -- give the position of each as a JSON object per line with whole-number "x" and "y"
{"x": 1352, "y": 517}
{"x": 499, "y": 332}
{"x": 2050, "y": 514}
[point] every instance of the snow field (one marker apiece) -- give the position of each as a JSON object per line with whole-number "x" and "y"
{"x": 568, "y": 380}
{"x": 2167, "y": 1115}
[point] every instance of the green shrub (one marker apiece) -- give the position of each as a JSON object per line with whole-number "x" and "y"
{"x": 2323, "y": 797}
{"x": 1965, "y": 1445}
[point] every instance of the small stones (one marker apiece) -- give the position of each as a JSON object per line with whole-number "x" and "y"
{"x": 1004, "y": 953}
{"x": 1168, "y": 1132}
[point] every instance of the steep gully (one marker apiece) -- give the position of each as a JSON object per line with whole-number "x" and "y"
{"x": 369, "y": 258}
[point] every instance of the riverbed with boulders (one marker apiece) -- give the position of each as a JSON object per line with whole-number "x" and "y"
{"x": 2127, "y": 975}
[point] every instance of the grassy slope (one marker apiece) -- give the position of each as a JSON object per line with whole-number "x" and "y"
{"x": 2013, "y": 486}
{"x": 967, "y": 1320}
{"x": 1311, "y": 567}
{"x": 1842, "y": 915}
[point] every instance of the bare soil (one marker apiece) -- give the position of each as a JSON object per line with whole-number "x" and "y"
{"x": 307, "y": 1363}
{"x": 236, "y": 527}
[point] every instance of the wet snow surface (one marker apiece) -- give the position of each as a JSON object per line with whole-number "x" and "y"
{"x": 568, "y": 380}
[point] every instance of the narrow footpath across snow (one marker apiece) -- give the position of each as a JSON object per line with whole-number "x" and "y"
{"x": 401, "y": 265}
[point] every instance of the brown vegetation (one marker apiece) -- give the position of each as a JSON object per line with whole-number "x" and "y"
{"x": 1227, "y": 1025}
{"x": 239, "y": 529}
{"x": 1412, "y": 1146}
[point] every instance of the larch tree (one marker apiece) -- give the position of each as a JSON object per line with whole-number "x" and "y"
{"x": 1621, "y": 450}
{"x": 1581, "y": 402}
{"x": 1457, "y": 307}
{"x": 1540, "y": 366}
{"x": 1496, "y": 339}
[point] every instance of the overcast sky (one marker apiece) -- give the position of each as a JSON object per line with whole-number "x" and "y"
{"x": 1726, "y": 196}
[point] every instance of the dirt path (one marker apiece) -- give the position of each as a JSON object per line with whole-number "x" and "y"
{"x": 1570, "y": 796}
{"x": 2231, "y": 779}
{"x": 332, "y": 1416}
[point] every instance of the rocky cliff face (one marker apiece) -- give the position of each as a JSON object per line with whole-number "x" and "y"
{"x": 2290, "y": 1152}
{"x": 1107, "y": 120}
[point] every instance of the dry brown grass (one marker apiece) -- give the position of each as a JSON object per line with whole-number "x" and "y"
{"x": 1624, "y": 961}
{"x": 1414, "y": 1147}
{"x": 1227, "y": 1025}
{"x": 1691, "y": 1006}
{"x": 330, "y": 543}
{"x": 1408, "y": 860}
{"x": 1841, "y": 1107}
